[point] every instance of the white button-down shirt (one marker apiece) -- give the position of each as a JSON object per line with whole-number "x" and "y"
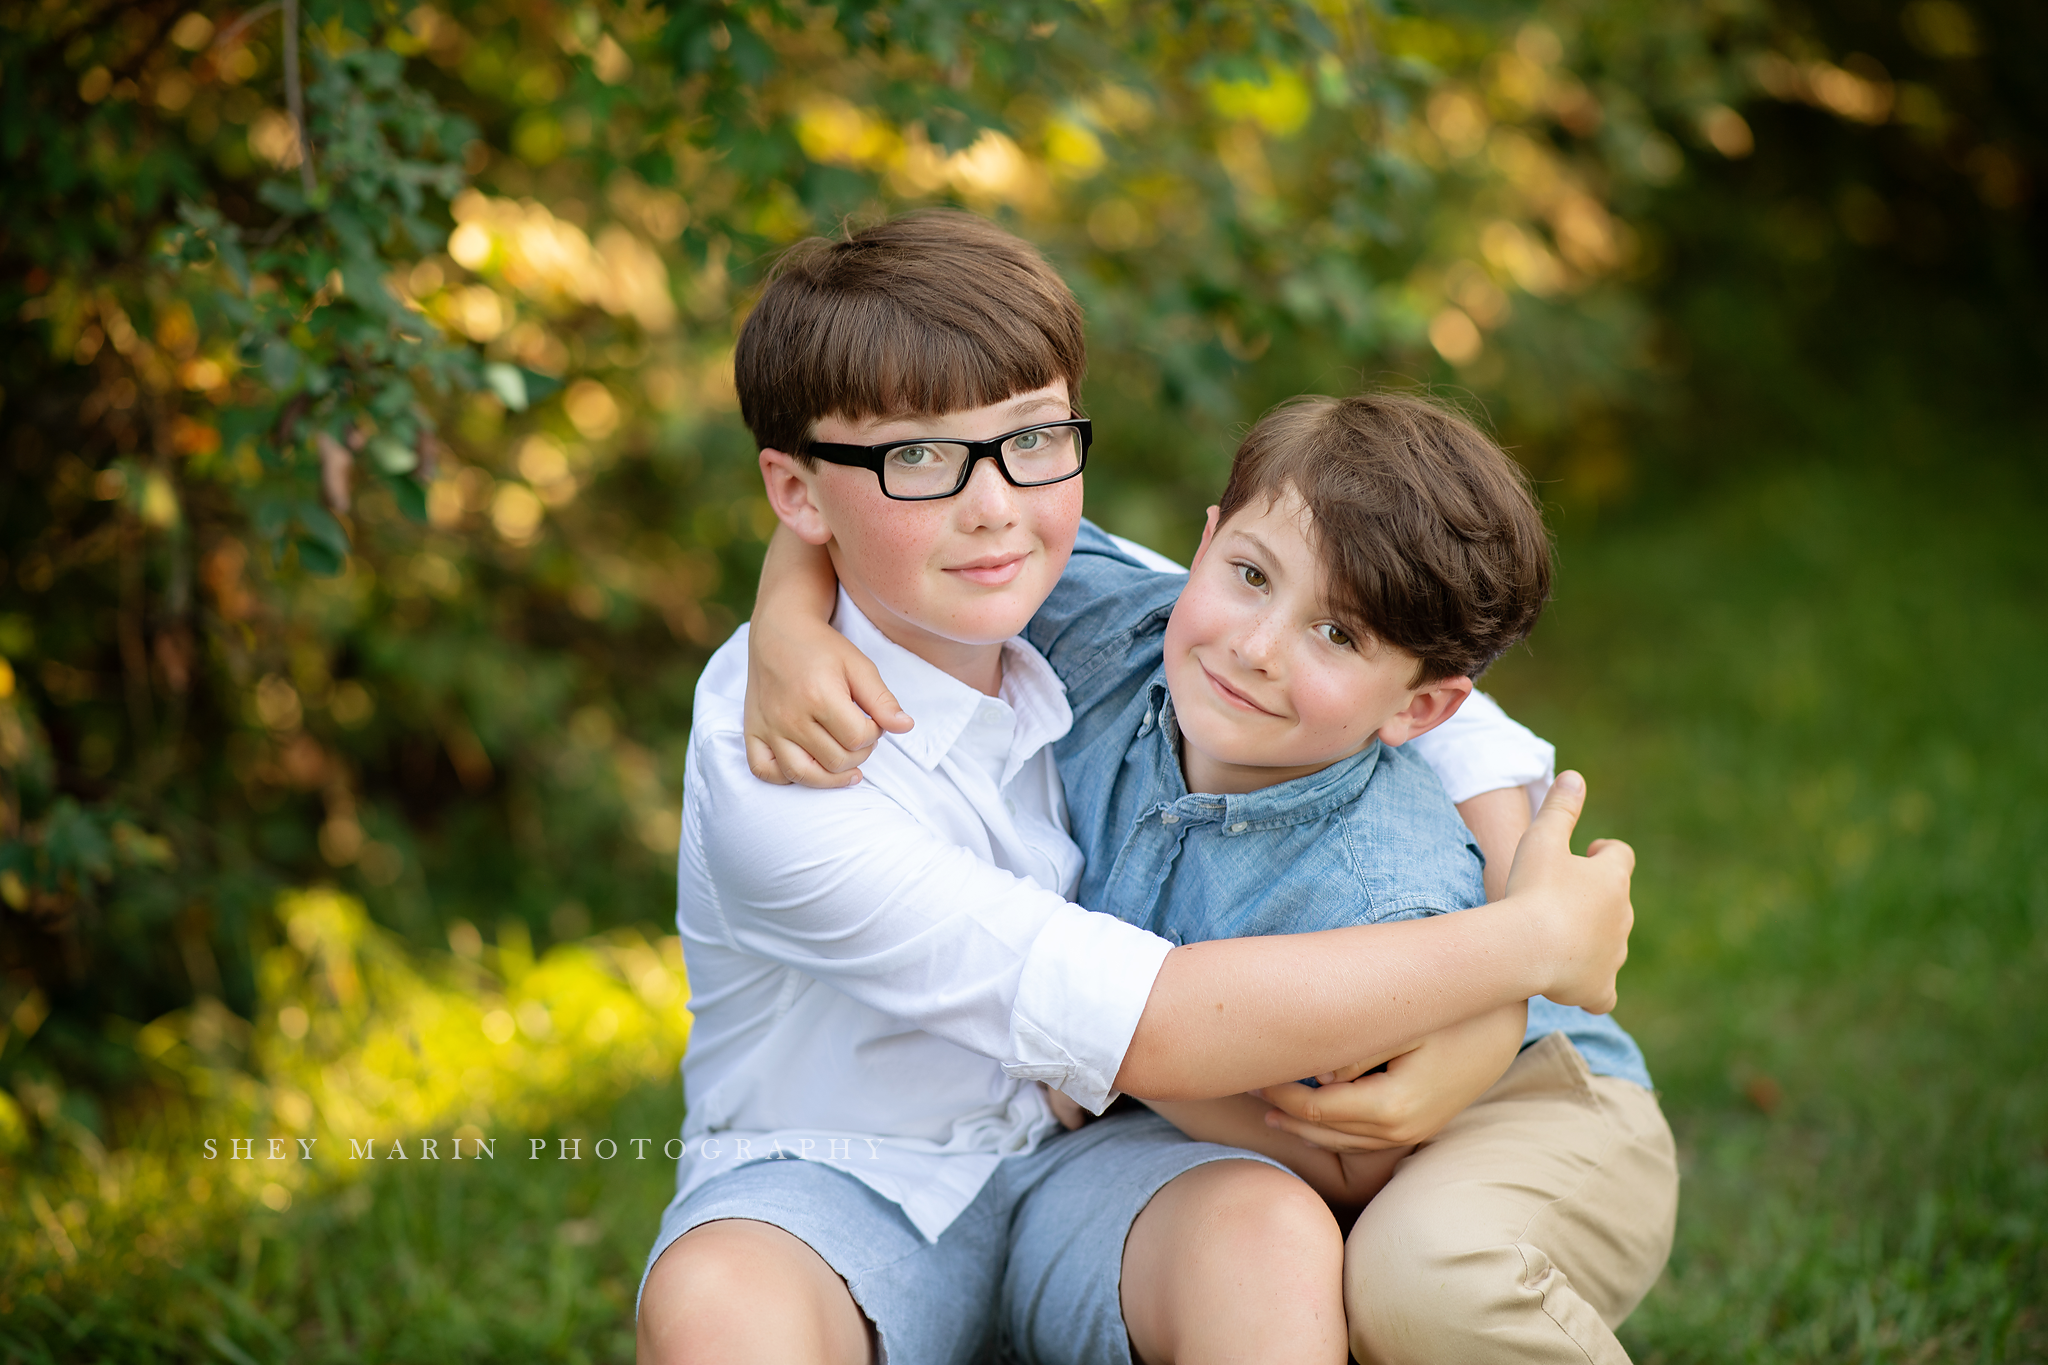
{"x": 880, "y": 974}
{"x": 1481, "y": 749}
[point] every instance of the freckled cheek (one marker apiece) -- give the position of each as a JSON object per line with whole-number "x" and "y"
{"x": 1055, "y": 514}
{"x": 1201, "y": 618}
{"x": 891, "y": 543}
{"x": 1325, "y": 704}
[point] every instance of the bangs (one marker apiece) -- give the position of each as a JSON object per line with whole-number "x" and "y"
{"x": 1426, "y": 529}
{"x": 878, "y": 356}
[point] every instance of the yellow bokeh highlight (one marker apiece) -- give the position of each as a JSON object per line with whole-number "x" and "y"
{"x": 1072, "y": 149}
{"x": 1280, "y": 104}
{"x": 355, "y": 1036}
{"x": 554, "y": 263}
{"x": 834, "y": 132}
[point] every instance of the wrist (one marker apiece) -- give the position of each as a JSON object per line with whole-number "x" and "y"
{"x": 1525, "y": 934}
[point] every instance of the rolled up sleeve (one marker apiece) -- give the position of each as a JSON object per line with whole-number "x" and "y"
{"x": 855, "y": 890}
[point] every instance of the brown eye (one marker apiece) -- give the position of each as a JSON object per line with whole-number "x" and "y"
{"x": 1336, "y": 635}
{"x": 1253, "y": 578}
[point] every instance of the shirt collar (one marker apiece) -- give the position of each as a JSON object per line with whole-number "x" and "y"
{"x": 943, "y": 705}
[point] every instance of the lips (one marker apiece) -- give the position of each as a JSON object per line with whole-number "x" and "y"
{"x": 1230, "y": 695}
{"x": 991, "y": 571}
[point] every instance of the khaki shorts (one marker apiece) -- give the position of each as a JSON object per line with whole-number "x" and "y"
{"x": 1525, "y": 1231}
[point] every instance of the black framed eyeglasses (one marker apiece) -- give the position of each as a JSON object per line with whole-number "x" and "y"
{"x": 918, "y": 471}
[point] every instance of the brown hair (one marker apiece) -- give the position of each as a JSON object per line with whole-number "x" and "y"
{"x": 1427, "y": 529}
{"x": 928, "y": 313}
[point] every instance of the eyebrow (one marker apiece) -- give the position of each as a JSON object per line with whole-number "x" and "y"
{"x": 1043, "y": 401}
{"x": 927, "y": 419}
{"x": 1261, "y": 546}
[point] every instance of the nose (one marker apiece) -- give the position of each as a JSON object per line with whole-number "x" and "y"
{"x": 1259, "y": 646}
{"x": 988, "y": 500}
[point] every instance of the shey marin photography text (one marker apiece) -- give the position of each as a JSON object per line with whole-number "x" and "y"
{"x": 713, "y": 1148}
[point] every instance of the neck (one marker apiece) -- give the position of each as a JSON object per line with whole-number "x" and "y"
{"x": 979, "y": 666}
{"x": 1213, "y": 775}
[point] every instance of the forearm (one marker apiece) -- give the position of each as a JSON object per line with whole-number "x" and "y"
{"x": 1240, "y": 1121}
{"x": 1497, "y": 820}
{"x": 797, "y": 581}
{"x": 1236, "y": 1014}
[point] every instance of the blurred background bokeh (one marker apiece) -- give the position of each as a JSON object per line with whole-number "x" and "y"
{"x": 373, "y": 494}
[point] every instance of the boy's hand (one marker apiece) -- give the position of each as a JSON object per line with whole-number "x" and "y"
{"x": 816, "y": 707}
{"x": 1420, "y": 1091}
{"x": 1070, "y": 1114}
{"x": 1582, "y": 904}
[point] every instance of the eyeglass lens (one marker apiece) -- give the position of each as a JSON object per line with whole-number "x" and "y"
{"x": 929, "y": 469}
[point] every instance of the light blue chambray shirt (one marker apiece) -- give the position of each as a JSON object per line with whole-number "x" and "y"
{"x": 1368, "y": 840}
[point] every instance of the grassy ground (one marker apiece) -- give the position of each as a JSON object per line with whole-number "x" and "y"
{"x": 505, "y": 1260}
{"x": 1811, "y": 702}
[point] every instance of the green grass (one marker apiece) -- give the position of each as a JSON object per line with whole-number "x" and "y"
{"x": 1810, "y": 699}
{"x": 505, "y": 1260}
{"x": 1812, "y": 705}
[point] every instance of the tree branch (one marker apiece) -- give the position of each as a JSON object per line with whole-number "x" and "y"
{"x": 236, "y": 29}
{"x": 294, "y": 99}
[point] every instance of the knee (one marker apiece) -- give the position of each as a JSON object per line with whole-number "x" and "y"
{"x": 698, "y": 1292}
{"x": 720, "y": 1290}
{"x": 1234, "y": 1260}
{"x": 1257, "y": 1211}
{"x": 1408, "y": 1298}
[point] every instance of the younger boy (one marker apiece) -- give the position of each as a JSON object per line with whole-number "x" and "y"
{"x": 880, "y": 976}
{"x": 1235, "y": 767}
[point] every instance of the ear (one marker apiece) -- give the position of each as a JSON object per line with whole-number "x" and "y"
{"x": 792, "y": 492}
{"x": 1426, "y": 710}
{"x": 1208, "y": 534}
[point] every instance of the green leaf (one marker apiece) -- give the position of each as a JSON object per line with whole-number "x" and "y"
{"x": 76, "y": 843}
{"x": 281, "y": 365}
{"x": 410, "y": 495}
{"x": 539, "y": 387}
{"x": 319, "y": 524}
{"x": 394, "y": 457}
{"x": 508, "y": 382}
{"x": 317, "y": 558}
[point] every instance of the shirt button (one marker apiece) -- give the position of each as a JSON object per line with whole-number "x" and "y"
{"x": 1239, "y": 828}
{"x": 1169, "y": 819}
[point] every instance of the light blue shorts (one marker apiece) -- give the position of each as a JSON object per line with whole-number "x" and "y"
{"x": 1029, "y": 1272}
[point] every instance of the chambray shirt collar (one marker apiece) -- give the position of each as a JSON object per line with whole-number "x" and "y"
{"x": 1289, "y": 803}
{"x": 944, "y": 706}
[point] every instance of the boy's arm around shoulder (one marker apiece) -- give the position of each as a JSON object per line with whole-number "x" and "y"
{"x": 856, "y": 889}
{"x": 1238, "y": 1014}
{"x": 816, "y": 706}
